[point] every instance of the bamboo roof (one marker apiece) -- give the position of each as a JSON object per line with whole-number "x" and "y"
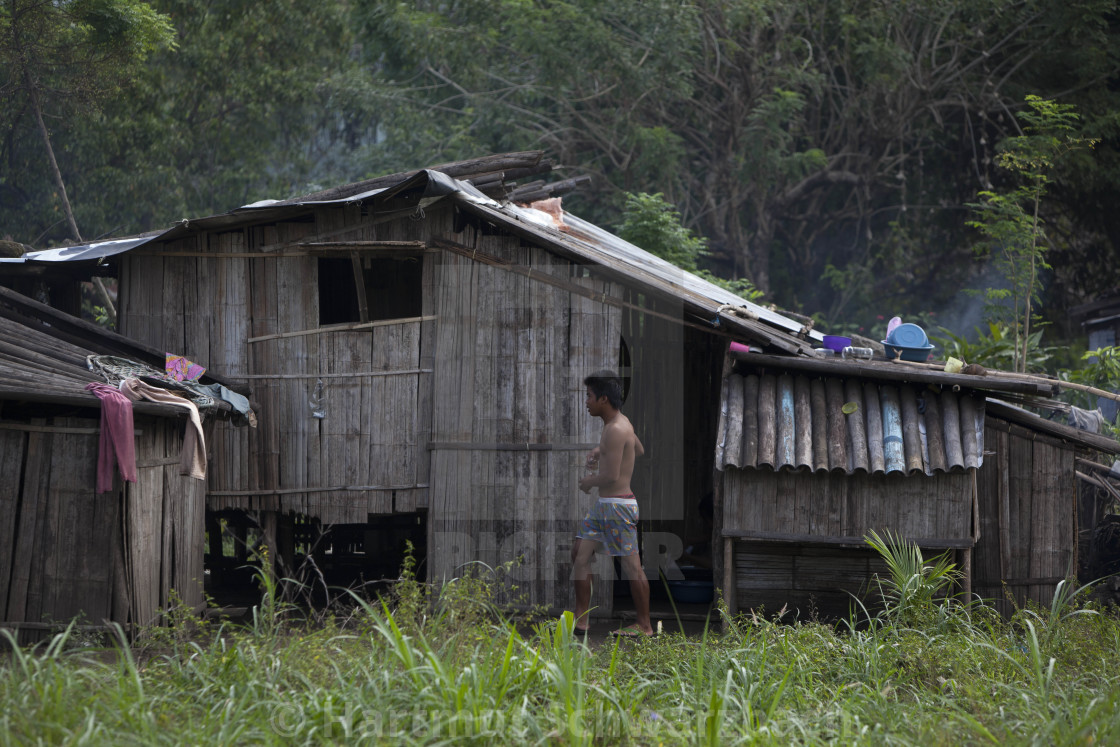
{"x": 877, "y": 417}
{"x": 847, "y": 425}
{"x": 43, "y": 356}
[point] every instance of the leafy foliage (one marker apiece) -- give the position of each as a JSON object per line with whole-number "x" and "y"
{"x": 996, "y": 349}
{"x": 1011, "y": 222}
{"x": 649, "y": 222}
{"x": 962, "y": 675}
{"x": 914, "y": 585}
{"x": 653, "y": 224}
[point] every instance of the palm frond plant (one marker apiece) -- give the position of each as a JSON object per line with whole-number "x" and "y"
{"x": 914, "y": 584}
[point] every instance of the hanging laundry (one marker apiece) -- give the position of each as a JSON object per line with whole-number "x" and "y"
{"x": 192, "y": 459}
{"x": 116, "y": 446}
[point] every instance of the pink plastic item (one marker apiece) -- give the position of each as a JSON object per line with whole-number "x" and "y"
{"x": 738, "y": 347}
{"x": 894, "y": 322}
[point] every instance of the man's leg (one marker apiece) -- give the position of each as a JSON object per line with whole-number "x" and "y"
{"x": 639, "y": 589}
{"x": 581, "y": 575}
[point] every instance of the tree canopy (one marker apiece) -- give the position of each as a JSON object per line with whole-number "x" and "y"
{"x": 826, "y": 152}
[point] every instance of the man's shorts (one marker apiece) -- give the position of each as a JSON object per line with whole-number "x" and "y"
{"x": 613, "y": 521}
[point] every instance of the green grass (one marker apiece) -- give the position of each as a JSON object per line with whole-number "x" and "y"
{"x": 448, "y": 668}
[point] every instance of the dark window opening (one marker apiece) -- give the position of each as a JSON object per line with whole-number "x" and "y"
{"x": 365, "y": 558}
{"x": 390, "y": 289}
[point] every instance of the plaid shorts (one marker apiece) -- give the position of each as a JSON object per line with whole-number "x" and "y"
{"x": 613, "y": 521}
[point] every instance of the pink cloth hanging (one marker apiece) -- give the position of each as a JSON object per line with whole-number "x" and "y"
{"x": 116, "y": 445}
{"x": 192, "y": 459}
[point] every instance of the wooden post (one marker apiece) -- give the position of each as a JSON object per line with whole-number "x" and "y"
{"x": 268, "y": 536}
{"x": 1003, "y": 464}
{"x": 729, "y": 581}
{"x": 360, "y": 286}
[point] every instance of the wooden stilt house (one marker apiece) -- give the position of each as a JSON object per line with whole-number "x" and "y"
{"x": 416, "y": 346}
{"x": 70, "y": 552}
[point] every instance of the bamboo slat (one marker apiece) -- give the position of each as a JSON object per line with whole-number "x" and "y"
{"x": 911, "y": 436}
{"x": 749, "y": 453}
{"x": 935, "y": 438}
{"x": 804, "y": 419}
{"x": 33, "y": 506}
{"x": 951, "y": 427}
{"x": 13, "y": 447}
{"x": 837, "y": 425}
{"x": 819, "y": 414}
{"x": 1003, "y": 454}
{"x": 733, "y": 447}
{"x": 767, "y": 421}
{"x": 892, "y": 429}
{"x": 721, "y": 427}
{"x": 785, "y": 451}
{"x": 857, "y": 433}
{"x": 970, "y": 451}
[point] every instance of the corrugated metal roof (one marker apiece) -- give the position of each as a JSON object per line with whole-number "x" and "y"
{"x": 80, "y": 252}
{"x": 596, "y": 246}
{"x": 848, "y": 425}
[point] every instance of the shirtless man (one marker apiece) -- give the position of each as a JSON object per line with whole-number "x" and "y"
{"x": 612, "y": 524}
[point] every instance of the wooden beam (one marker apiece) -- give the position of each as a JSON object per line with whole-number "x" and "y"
{"x": 341, "y": 328}
{"x": 895, "y": 373}
{"x": 747, "y": 535}
{"x": 464, "y": 446}
{"x": 360, "y": 286}
{"x": 349, "y": 375}
{"x": 1034, "y": 423}
{"x": 332, "y": 489}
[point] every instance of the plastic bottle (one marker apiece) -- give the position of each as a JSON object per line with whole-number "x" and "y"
{"x": 853, "y": 353}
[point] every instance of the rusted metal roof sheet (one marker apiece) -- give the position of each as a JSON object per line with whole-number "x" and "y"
{"x": 847, "y": 425}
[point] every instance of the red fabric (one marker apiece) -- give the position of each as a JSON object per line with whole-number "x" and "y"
{"x": 117, "y": 444}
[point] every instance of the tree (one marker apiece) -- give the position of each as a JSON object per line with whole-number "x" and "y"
{"x": 67, "y": 56}
{"x": 794, "y": 136}
{"x": 1011, "y": 221}
{"x": 249, "y": 101}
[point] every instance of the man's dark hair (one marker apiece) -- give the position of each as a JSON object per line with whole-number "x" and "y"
{"x": 606, "y": 383}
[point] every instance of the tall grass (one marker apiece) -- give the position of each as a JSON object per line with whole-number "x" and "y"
{"x": 447, "y": 666}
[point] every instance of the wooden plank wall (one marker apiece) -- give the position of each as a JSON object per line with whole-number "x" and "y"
{"x": 595, "y": 337}
{"x": 810, "y": 582}
{"x": 71, "y": 552}
{"x": 320, "y": 431}
{"x": 164, "y": 525}
{"x": 836, "y": 505}
{"x": 510, "y": 357}
{"x": 656, "y": 407}
{"x": 1028, "y": 526}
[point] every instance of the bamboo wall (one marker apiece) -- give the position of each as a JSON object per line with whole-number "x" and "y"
{"x": 796, "y": 538}
{"x": 810, "y": 582}
{"x": 109, "y": 557}
{"x": 342, "y": 434}
{"x": 827, "y": 505}
{"x": 509, "y": 428}
{"x": 1028, "y": 524}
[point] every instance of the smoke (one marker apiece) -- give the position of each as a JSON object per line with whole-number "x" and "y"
{"x": 965, "y": 313}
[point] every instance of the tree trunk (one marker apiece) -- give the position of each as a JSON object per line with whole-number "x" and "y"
{"x": 33, "y": 95}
